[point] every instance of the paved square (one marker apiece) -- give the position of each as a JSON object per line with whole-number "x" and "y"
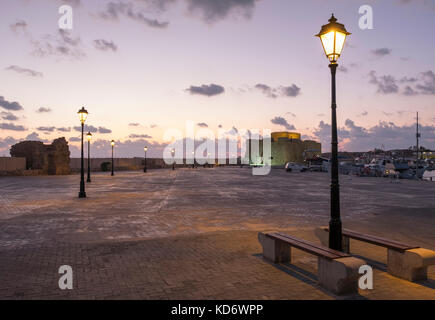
{"x": 192, "y": 234}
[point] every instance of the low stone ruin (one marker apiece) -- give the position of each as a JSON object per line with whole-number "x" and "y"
{"x": 50, "y": 159}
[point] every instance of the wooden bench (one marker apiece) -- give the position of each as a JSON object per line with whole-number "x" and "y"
{"x": 406, "y": 261}
{"x": 337, "y": 271}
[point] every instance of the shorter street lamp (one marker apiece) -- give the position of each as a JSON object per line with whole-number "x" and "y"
{"x": 83, "y": 114}
{"x": 89, "y": 137}
{"x": 193, "y": 157}
{"x": 113, "y": 144}
{"x": 145, "y": 149}
{"x": 173, "y": 164}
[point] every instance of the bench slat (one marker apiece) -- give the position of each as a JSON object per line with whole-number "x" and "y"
{"x": 309, "y": 247}
{"x": 387, "y": 243}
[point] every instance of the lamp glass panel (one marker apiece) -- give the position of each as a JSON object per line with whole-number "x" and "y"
{"x": 339, "y": 42}
{"x": 83, "y": 116}
{"x": 328, "y": 42}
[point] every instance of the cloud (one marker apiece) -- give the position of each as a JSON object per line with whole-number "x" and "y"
{"x": 8, "y": 116}
{"x": 43, "y": 110}
{"x": 60, "y": 45}
{"x": 10, "y": 105}
{"x": 408, "y": 91}
{"x": 139, "y": 136}
{"x": 343, "y": 69}
{"x": 202, "y": 125}
{"x": 427, "y": 86}
{"x": 92, "y": 129}
{"x": 268, "y": 91}
{"x": 6, "y": 143}
{"x": 86, "y": 128}
{"x": 134, "y": 124}
{"x": 206, "y": 90}
{"x": 289, "y": 91}
{"x": 35, "y": 137}
{"x": 386, "y": 84}
{"x": 46, "y": 129}
{"x": 357, "y": 138}
{"x": 11, "y": 126}
{"x": 64, "y": 129}
{"x": 282, "y": 122}
{"x": 292, "y": 91}
{"x": 25, "y": 71}
{"x": 104, "y": 130}
{"x": 19, "y": 26}
{"x": 153, "y": 126}
{"x": 105, "y": 45}
{"x": 75, "y": 139}
{"x": 212, "y": 11}
{"x": 363, "y": 114}
{"x": 115, "y": 9}
{"x": 424, "y": 83}
{"x": 381, "y": 52}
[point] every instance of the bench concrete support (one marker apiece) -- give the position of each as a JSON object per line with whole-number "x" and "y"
{"x": 322, "y": 234}
{"x": 339, "y": 275}
{"x": 411, "y": 264}
{"x": 274, "y": 250}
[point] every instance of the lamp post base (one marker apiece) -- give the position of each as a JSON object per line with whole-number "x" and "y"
{"x": 82, "y": 194}
{"x": 88, "y": 180}
{"x": 145, "y": 169}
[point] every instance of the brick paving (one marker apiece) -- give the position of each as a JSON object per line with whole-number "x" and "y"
{"x": 192, "y": 234}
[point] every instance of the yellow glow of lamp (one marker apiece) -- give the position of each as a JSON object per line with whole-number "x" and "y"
{"x": 333, "y": 35}
{"x": 83, "y": 114}
{"x": 112, "y": 142}
{"x": 145, "y": 149}
{"x": 89, "y": 136}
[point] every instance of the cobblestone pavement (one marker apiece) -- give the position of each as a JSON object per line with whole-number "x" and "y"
{"x": 192, "y": 234}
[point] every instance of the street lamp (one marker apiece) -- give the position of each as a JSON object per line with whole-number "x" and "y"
{"x": 112, "y": 144}
{"x": 89, "y": 136}
{"x": 333, "y": 35}
{"x": 173, "y": 164}
{"x": 193, "y": 157}
{"x": 145, "y": 149}
{"x": 83, "y": 114}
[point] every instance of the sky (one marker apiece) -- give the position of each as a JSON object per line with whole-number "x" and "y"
{"x": 141, "y": 67}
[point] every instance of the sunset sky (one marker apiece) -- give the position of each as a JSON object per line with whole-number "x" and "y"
{"x": 141, "y": 67}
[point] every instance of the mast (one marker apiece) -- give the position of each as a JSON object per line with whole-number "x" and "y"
{"x": 417, "y": 136}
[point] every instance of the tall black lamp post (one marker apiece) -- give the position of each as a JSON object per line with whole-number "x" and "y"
{"x": 173, "y": 164}
{"x": 83, "y": 114}
{"x": 145, "y": 149}
{"x": 89, "y": 136}
{"x": 333, "y": 35}
{"x": 112, "y": 143}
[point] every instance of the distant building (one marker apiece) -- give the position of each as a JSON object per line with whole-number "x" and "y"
{"x": 51, "y": 159}
{"x": 287, "y": 147}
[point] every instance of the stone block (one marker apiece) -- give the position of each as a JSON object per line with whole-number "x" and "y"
{"x": 274, "y": 250}
{"x": 339, "y": 276}
{"x": 411, "y": 264}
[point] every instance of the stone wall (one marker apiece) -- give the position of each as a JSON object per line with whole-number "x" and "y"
{"x": 52, "y": 159}
{"x": 12, "y": 165}
{"x": 120, "y": 163}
